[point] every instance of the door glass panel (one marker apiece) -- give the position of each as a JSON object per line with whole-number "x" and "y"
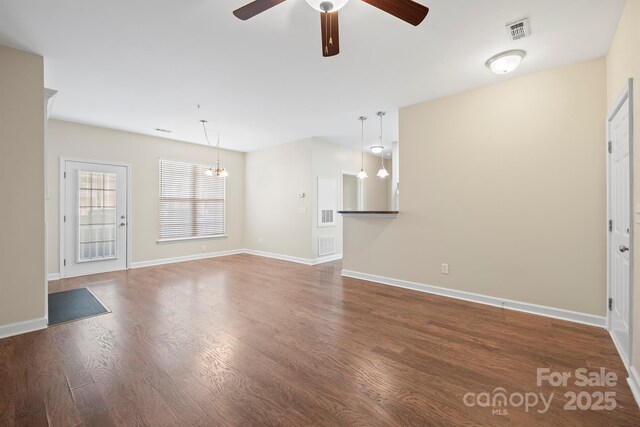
{"x": 96, "y": 216}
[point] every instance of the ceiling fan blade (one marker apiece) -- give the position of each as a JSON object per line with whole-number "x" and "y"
{"x": 407, "y": 10}
{"x": 255, "y": 7}
{"x": 330, "y": 34}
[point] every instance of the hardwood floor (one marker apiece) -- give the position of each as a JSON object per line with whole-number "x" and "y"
{"x": 243, "y": 340}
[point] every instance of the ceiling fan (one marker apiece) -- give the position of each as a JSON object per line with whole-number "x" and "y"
{"x": 407, "y": 10}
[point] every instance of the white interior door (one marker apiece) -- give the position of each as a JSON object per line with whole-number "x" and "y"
{"x": 95, "y": 218}
{"x": 620, "y": 227}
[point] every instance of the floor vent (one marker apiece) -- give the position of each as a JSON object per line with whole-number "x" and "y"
{"x": 326, "y": 245}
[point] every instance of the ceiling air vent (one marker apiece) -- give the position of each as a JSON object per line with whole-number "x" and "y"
{"x": 519, "y": 29}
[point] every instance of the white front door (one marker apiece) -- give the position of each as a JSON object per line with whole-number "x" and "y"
{"x": 95, "y": 218}
{"x": 620, "y": 227}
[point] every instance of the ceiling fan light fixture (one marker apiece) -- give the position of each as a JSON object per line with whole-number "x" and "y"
{"x": 506, "y": 62}
{"x": 327, "y": 5}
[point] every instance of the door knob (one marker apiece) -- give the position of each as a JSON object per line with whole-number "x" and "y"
{"x": 122, "y": 224}
{"x": 623, "y": 248}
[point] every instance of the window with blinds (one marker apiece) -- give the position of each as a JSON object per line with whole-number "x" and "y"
{"x": 191, "y": 203}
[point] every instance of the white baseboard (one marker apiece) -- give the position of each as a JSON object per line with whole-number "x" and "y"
{"x": 298, "y": 260}
{"x": 327, "y": 258}
{"x": 625, "y": 362}
{"x": 22, "y": 327}
{"x": 154, "y": 262}
{"x": 164, "y": 261}
{"x": 634, "y": 383}
{"x": 557, "y": 313}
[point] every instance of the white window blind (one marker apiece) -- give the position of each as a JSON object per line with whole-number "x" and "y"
{"x": 191, "y": 203}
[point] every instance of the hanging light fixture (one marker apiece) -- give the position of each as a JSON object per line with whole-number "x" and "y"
{"x": 362, "y": 174}
{"x": 382, "y": 173}
{"x": 218, "y": 170}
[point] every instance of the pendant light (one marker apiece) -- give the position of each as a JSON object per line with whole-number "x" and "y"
{"x": 218, "y": 170}
{"x": 362, "y": 174}
{"x": 382, "y": 173}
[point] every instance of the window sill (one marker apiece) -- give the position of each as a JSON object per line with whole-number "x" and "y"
{"x": 187, "y": 239}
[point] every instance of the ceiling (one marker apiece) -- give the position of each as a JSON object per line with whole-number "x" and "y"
{"x": 146, "y": 64}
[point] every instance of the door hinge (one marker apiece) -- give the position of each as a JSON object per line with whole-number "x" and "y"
{"x": 65, "y": 220}
{"x": 64, "y": 263}
{"x": 610, "y": 304}
{"x": 610, "y": 225}
{"x": 610, "y": 147}
{"x": 65, "y": 173}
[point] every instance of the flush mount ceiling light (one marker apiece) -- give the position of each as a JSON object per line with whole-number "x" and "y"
{"x": 218, "y": 170}
{"x": 362, "y": 174}
{"x": 377, "y": 149}
{"x": 506, "y": 62}
{"x": 382, "y": 173}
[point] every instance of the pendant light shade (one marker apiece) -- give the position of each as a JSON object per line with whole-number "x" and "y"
{"x": 382, "y": 173}
{"x": 219, "y": 171}
{"x": 222, "y": 172}
{"x": 362, "y": 174}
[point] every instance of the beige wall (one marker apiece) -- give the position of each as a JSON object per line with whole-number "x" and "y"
{"x": 22, "y": 235}
{"x": 506, "y": 184}
{"x": 142, "y": 152}
{"x": 330, "y": 161}
{"x": 623, "y": 62}
{"x": 349, "y": 192}
{"x": 276, "y": 219}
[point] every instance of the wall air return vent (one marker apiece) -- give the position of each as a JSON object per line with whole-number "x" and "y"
{"x": 327, "y": 216}
{"x": 326, "y": 202}
{"x": 326, "y": 245}
{"x": 519, "y": 29}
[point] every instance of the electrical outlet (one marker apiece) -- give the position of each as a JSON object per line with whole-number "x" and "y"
{"x": 204, "y": 248}
{"x": 445, "y": 268}
{"x": 259, "y": 240}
